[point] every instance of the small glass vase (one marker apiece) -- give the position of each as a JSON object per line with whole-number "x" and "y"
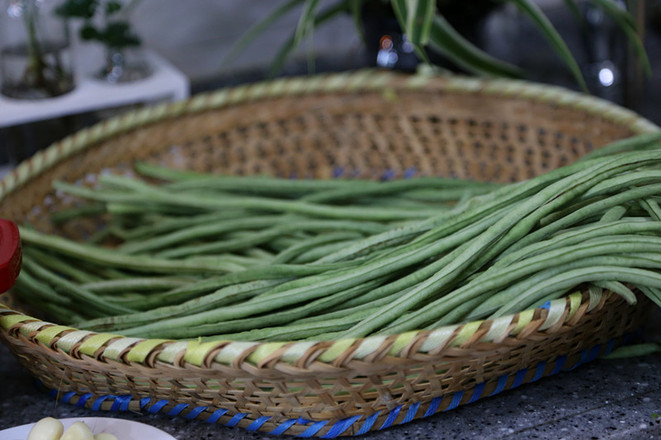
{"x": 35, "y": 52}
{"x": 124, "y": 65}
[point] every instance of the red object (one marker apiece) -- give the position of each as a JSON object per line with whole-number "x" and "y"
{"x": 10, "y": 254}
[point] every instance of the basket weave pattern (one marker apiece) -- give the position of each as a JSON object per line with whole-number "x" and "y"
{"x": 367, "y": 125}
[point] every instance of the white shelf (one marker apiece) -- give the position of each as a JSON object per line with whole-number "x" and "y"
{"x": 165, "y": 83}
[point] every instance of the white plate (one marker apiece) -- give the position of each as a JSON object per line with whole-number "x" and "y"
{"x": 122, "y": 429}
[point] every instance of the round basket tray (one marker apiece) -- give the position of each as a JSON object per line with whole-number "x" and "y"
{"x": 367, "y": 124}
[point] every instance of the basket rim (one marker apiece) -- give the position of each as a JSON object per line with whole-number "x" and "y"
{"x": 550, "y": 317}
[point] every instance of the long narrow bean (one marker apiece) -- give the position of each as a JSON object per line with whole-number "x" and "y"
{"x": 96, "y": 305}
{"x": 204, "y": 201}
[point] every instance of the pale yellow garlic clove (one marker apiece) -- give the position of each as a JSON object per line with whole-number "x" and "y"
{"x": 104, "y": 436}
{"x": 47, "y": 428}
{"x": 78, "y": 431}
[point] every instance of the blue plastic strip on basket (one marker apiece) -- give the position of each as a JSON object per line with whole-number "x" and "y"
{"x": 410, "y": 414}
{"x": 477, "y": 392}
{"x": 144, "y": 402}
{"x": 500, "y": 386}
{"x": 195, "y": 412}
{"x": 546, "y": 305}
{"x": 236, "y": 419}
{"x": 456, "y": 400}
{"x": 519, "y": 377}
{"x": 559, "y": 363}
{"x": 391, "y": 417}
{"x": 83, "y": 400}
{"x": 388, "y": 175}
{"x": 96, "y": 405}
{"x": 255, "y": 425}
{"x": 177, "y": 409}
{"x": 216, "y": 415}
{"x": 340, "y": 426}
{"x": 157, "y": 406}
{"x": 594, "y": 353}
{"x": 312, "y": 430}
{"x": 369, "y": 422}
{"x": 283, "y": 427}
{"x": 410, "y": 172}
{"x": 121, "y": 403}
{"x": 539, "y": 371}
{"x": 433, "y": 406}
{"x": 609, "y": 347}
{"x": 581, "y": 361}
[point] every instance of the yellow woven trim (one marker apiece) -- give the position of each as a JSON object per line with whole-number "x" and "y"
{"x": 46, "y": 336}
{"x": 171, "y": 352}
{"x": 230, "y": 352}
{"x": 498, "y": 330}
{"x": 335, "y": 82}
{"x": 402, "y": 341}
{"x": 7, "y": 321}
{"x": 142, "y": 350}
{"x": 466, "y": 332}
{"x": 556, "y": 310}
{"x": 525, "y": 318}
{"x": 94, "y": 343}
{"x": 419, "y": 80}
{"x": 595, "y": 294}
{"x": 263, "y": 350}
{"x": 575, "y": 300}
{"x": 28, "y": 328}
{"x": 115, "y": 349}
{"x": 438, "y": 338}
{"x": 368, "y": 346}
{"x": 335, "y": 350}
{"x": 296, "y": 351}
{"x": 464, "y": 84}
{"x": 197, "y": 352}
{"x": 68, "y": 341}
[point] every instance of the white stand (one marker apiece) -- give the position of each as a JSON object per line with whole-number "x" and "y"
{"x": 165, "y": 83}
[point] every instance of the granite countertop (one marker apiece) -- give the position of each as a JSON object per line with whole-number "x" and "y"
{"x": 603, "y": 399}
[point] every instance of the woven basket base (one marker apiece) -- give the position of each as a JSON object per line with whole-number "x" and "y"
{"x": 355, "y": 425}
{"x": 503, "y": 366}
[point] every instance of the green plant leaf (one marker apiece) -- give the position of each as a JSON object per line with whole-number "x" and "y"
{"x": 257, "y": 29}
{"x": 627, "y": 24}
{"x": 356, "y": 9}
{"x": 533, "y": 11}
{"x": 306, "y": 23}
{"x": 118, "y": 34}
{"x": 419, "y": 16}
{"x": 400, "y": 9}
{"x": 290, "y": 45}
{"x": 112, "y": 7}
{"x": 573, "y": 9}
{"x": 89, "y": 32}
{"x": 77, "y": 9}
{"x": 445, "y": 39}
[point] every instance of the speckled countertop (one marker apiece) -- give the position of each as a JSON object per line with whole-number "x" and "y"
{"x": 604, "y": 399}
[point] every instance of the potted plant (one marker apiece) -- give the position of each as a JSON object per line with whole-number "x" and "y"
{"x": 107, "y": 22}
{"x": 35, "y": 61}
{"x": 429, "y": 30}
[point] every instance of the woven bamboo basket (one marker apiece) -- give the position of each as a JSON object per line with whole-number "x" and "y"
{"x": 366, "y": 124}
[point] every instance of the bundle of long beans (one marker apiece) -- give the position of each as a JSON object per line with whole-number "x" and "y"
{"x": 265, "y": 258}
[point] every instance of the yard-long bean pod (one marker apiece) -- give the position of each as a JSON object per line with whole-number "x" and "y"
{"x": 270, "y": 258}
